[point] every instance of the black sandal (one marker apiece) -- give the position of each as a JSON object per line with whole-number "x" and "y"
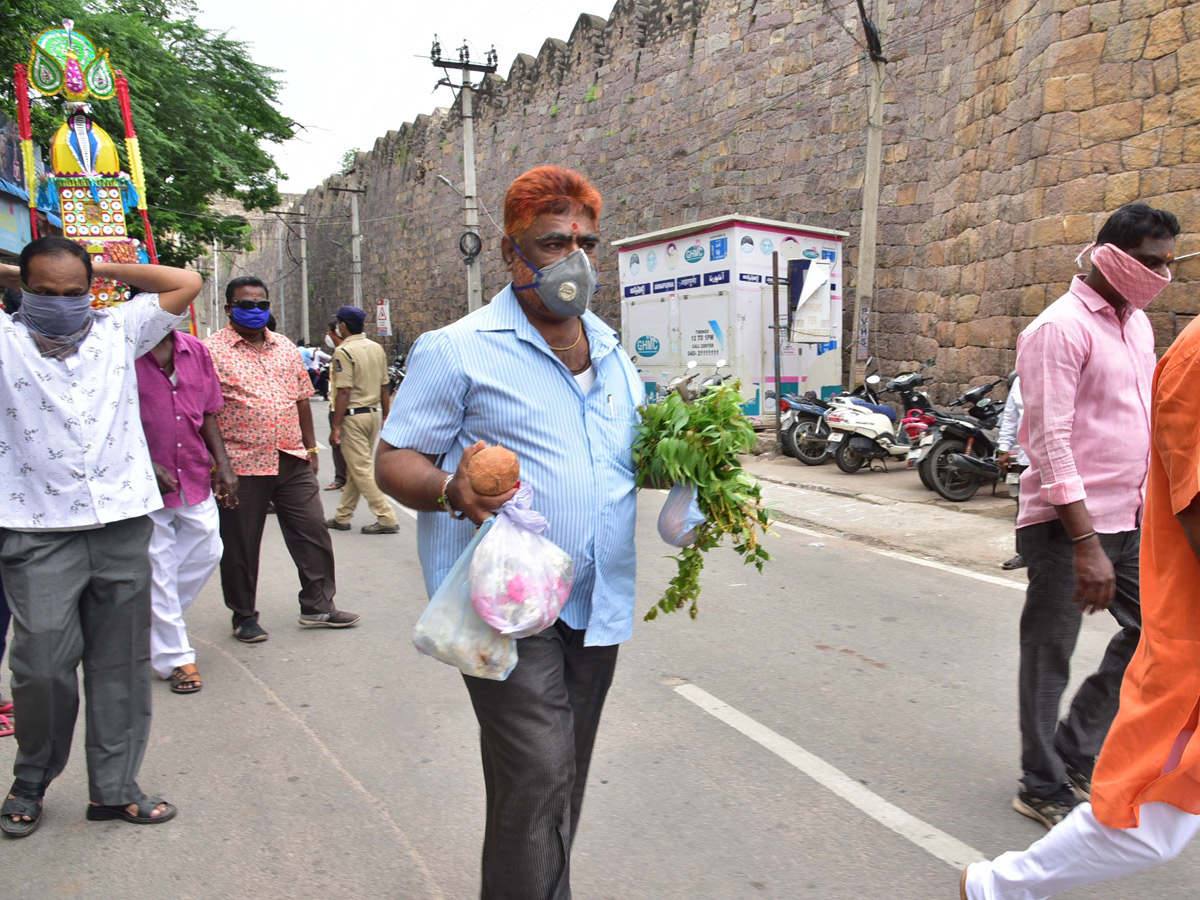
{"x": 27, "y": 802}
{"x": 145, "y": 806}
{"x": 183, "y": 682}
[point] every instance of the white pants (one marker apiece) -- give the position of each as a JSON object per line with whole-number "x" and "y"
{"x": 1080, "y": 851}
{"x": 185, "y": 549}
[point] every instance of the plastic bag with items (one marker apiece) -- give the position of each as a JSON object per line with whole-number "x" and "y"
{"x": 520, "y": 580}
{"x": 451, "y": 631}
{"x": 680, "y": 518}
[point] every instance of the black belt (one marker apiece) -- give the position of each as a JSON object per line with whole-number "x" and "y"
{"x": 359, "y": 410}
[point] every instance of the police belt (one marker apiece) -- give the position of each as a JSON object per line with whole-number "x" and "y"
{"x": 360, "y": 410}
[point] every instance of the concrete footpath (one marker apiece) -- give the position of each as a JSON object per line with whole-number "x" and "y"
{"x": 891, "y": 508}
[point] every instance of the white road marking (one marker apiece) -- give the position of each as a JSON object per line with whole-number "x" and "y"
{"x": 374, "y": 801}
{"x": 948, "y": 849}
{"x": 915, "y": 560}
{"x": 404, "y": 509}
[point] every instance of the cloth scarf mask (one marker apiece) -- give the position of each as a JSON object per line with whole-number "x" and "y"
{"x": 58, "y": 325}
{"x": 1132, "y": 280}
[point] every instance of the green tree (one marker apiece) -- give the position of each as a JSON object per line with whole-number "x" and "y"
{"x": 348, "y": 159}
{"x": 203, "y": 110}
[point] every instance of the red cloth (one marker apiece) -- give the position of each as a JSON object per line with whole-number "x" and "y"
{"x": 1086, "y": 377}
{"x": 172, "y": 415}
{"x": 261, "y": 387}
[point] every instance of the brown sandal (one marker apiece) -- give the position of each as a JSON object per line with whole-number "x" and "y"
{"x": 185, "y": 682}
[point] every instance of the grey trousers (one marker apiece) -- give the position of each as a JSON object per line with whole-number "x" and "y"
{"x": 1050, "y": 626}
{"x": 81, "y": 596}
{"x": 536, "y": 734}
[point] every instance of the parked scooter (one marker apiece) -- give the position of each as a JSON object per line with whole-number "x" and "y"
{"x": 861, "y": 433}
{"x": 958, "y": 456}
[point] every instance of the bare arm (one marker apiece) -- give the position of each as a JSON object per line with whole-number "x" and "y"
{"x": 10, "y": 277}
{"x": 341, "y": 403}
{"x": 385, "y": 400}
{"x": 224, "y": 480}
{"x": 415, "y": 480}
{"x": 176, "y": 288}
{"x": 304, "y": 410}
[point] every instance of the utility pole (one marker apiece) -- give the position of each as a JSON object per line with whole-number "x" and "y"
{"x": 865, "y": 289}
{"x": 282, "y": 296}
{"x": 303, "y": 278}
{"x": 355, "y": 243}
{"x": 216, "y": 306}
{"x": 469, "y": 246}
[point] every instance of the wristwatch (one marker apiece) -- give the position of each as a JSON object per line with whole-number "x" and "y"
{"x": 444, "y": 500}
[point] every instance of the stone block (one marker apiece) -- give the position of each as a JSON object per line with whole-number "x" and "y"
{"x": 1111, "y": 82}
{"x": 1126, "y": 41}
{"x": 1166, "y": 33}
{"x": 1166, "y": 74}
{"x": 1080, "y": 94}
{"x": 1076, "y": 54}
{"x": 996, "y": 332}
{"x": 1033, "y": 300}
{"x": 1076, "y": 22}
{"x": 1113, "y": 122}
{"x": 966, "y": 308}
{"x": 1185, "y": 106}
{"x": 1079, "y": 229}
{"x": 1187, "y": 62}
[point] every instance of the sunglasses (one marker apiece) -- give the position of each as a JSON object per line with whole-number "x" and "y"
{"x": 252, "y": 304}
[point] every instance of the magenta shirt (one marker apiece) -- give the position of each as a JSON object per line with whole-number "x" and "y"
{"x": 172, "y": 415}
{"x": 1086, "y": 377}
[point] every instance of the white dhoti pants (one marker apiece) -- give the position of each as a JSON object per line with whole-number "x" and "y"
{"x": 1080, "y": 851}
{"x": 185, "y": 549}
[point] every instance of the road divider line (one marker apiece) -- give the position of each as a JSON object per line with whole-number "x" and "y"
{"x": 945, "y": 847}
{"x": 915, "y": 560}
{"x": 379, "y": 806}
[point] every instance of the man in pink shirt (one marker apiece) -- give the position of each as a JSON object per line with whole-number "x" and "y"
{"x": 179, "y": 396}
{"x": 1086, "y": 365}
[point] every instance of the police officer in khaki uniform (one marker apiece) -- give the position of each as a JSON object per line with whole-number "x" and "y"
{"x": 359, "y": 379}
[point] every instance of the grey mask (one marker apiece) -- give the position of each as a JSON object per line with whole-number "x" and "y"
{"x": 566, "y": 285}
{"x": 55, "y": 316}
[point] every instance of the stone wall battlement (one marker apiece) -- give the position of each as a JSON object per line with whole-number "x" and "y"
{"x": 1011, "y": 129}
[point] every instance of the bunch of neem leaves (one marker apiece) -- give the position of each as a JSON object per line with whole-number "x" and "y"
{"x": 698, "y": 443}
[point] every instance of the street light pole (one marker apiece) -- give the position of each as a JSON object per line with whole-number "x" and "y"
{"x": 865, "y": 288}
{"x": 303, "y": 278}
{"x": 470, "y": 201}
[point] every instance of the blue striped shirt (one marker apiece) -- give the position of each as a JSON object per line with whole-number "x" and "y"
{"x": 492, "y": 377}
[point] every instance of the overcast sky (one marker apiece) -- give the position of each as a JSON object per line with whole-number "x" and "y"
{"x": 353, "y": 69}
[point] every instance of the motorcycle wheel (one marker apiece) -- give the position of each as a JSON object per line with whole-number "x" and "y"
{"x": 925, "y": 472}
{"x": 798, "y": 442}
{"x": 848, "y": 460}
{"x": 951, "y": 483}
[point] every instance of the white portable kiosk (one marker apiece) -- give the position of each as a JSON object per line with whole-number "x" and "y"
{"x": 704, "y": 291}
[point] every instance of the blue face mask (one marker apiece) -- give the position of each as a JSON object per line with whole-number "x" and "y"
{"x": 250, "y": 318}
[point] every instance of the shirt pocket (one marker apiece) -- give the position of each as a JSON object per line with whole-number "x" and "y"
{"x": 617, "y": 424}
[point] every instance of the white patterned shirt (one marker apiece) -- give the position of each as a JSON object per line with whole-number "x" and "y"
{"x": 72, "y": 451}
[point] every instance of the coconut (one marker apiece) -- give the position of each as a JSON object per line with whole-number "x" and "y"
{"x": 494, "y": 471}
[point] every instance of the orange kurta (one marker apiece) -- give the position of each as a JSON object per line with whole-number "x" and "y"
{"x": 1161, "y": 690}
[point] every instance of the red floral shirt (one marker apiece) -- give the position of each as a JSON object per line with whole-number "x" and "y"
{"x": 261, "y": 388}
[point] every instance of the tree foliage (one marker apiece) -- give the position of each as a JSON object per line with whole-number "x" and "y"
{"x": 202, "y": 109}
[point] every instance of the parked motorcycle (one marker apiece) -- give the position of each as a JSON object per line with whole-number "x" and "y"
{"x": 958, "y": 454}
{"x": 861, "y": 433}
{"x": 808, "y": 437}
{"x": 396, "y": 373}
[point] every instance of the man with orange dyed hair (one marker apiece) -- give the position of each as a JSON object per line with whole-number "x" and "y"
{"x": 535, "y": 371}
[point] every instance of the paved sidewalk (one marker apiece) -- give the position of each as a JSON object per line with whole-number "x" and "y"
{"x": 891, "y": 509}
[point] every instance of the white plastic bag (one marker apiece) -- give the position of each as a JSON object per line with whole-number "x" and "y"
{"x": 680, "y": 516}
{"x": 451, "y": 631}
{"x": 520, "y": 580}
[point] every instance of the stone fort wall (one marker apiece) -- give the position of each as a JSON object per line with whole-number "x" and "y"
{"x": 1012, "y": 127}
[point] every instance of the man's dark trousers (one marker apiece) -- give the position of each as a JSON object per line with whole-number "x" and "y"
{"x": 537, "y": 729}
{"x": 81, "y": 596}
{"x": 339, "y": 461}
{"x": 297, "y": 499}
{"x": 1050, "y": 626}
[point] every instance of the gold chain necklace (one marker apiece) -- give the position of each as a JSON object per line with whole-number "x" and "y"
{"x": 573, "y": 346}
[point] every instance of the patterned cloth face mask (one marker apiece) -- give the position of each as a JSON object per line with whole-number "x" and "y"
{"x": 1132, "y": 280}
